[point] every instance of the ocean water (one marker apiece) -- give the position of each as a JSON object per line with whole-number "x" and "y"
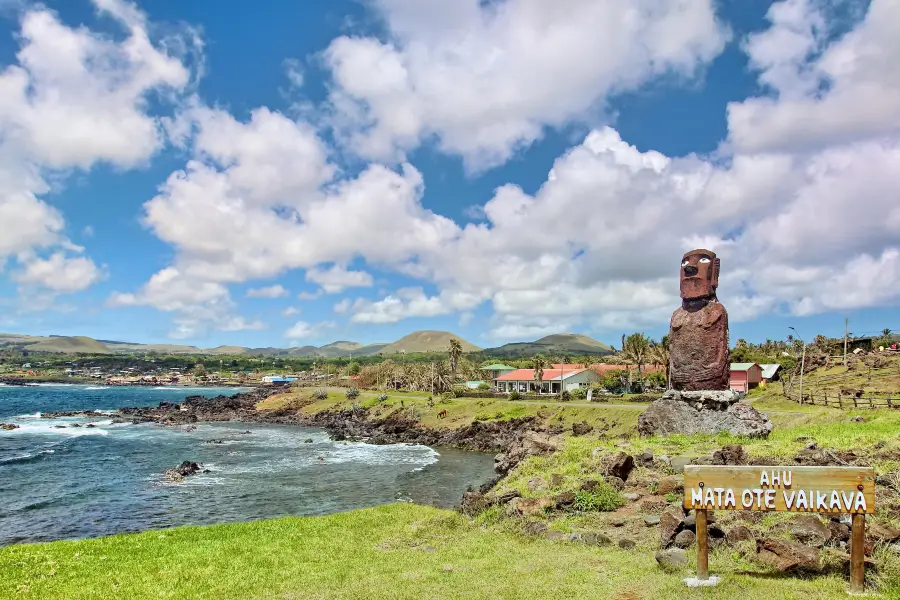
{"x": 69, "y": 483}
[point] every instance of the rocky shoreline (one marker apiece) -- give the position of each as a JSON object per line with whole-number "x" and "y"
{"x": 511, "y": 440}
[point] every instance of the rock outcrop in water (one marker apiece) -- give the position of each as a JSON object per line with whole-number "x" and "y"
{"x": 183, "y": 470}
{"x": 8, "y": 426}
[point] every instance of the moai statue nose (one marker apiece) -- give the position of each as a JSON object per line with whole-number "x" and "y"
{"x": 690, "y": 270}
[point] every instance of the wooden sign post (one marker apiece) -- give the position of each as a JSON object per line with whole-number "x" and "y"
{"x": 795, "y": 489}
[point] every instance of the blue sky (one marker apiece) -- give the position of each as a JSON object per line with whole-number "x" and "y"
{"x": 389, "y": 162}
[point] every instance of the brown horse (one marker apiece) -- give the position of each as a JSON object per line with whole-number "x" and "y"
{"x": 442, "y": 414}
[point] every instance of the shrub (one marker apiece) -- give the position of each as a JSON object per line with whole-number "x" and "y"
{"x": 673, "y": 497}
{"x": 448, "y": 395}
{"x": 459, "y": 391}
{"x": 565, "y": 396}
{"x": 515, "y": 395}
{"x": 352, "y": 393}
{"x": 484, "y": 387}
{"x": 320, "y": 395}
{"x": 483, "y": 416}
{"x": 603, "y": 499}
{"x": 579, "y": 394}
{"x": 383, "y": 398}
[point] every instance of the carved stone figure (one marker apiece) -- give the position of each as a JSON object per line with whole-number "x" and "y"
{"x": 698, "y": 336}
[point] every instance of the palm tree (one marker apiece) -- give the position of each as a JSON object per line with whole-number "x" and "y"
{"x": 886, "y": 332}
{"x": 659, "y": 354}
{"x": 636, "y": 348}
{"x": 455, "y": 353}
{"x": 539, "y": 364}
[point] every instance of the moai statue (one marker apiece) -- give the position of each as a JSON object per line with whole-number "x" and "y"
{"x": 698, "y": 336}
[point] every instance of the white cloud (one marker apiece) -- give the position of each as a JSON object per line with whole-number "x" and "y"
{"x": 60, "y": 273}
{"x": 406, "y": 303}
{"x": 302, "y": 330}
{"x": 198, "y": 306}
{"x": 272, "y": 291}
{"x": 337, "y": 278}
{"x": 487, "y": 78}
{"x": 309, "y": 295}
{"x": 71, "y": 99}
{"x": 293, "y": 70}
{"x": 343, "y": 307}
{"x": 290, "y": 311}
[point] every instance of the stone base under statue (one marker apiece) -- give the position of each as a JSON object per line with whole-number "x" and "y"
{"x": 704, "y": 411}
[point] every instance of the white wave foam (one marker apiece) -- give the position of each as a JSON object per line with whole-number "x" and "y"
{"x": 34, "y": 429}
{"x": 36, "y": 415}
{"x": 96, "y": 387}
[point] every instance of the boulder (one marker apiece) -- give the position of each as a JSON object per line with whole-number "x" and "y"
{"x": 527, "y": 507}
{"x": 536, "y": 483}
{"x": 690, "y": 521}
{"x": 738, "y": 534}
{"x": 673, "y": 559}
{"x": 839, "y": 532}
{"x": 670, "y": 485}
{"x": 593, "y": 538}
{"x": 684, "y": 539}
{"x": 644, "y": 459}
{"x": 8, "y": 426}
{"x": 619, "y": 465}
{"x": 678, "y": 463}
{"x": 631, "y": 496}
{"x": 671, "y": 523}
{"x": 785, "y": 556}
{"x": 556, "y": 536}
{"x": 729, "y": 455}
{"x": 669, "y": 416}
{"x": 565, "y": 500}
{"x": 882, "y": 532}
{"x": 582, "y": 428}
{"x": 615, "y": 483}
{"x": 589, "y": 485}
{"x": 651, "y": 520}
{"x": 472, "y": 503}
{"x": 627, "y": 544}
{"x": 535, "y": 528}
{"x": 810, "y": 530}
{"x": 183, "y": 470}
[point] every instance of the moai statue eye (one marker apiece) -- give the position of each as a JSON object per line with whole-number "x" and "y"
{"x": 704, "y": 260}
{"x": 684, "y": 263}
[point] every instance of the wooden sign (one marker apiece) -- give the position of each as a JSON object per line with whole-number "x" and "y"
{"x": 796, "y": 489}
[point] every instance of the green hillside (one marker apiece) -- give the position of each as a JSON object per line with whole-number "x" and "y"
{"x": 427, "y": 341}
{"x": 68, "y": 345}
{"x": 557, "y": 343}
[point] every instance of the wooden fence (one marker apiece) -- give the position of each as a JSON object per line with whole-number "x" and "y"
{"x": 820, "y": 397}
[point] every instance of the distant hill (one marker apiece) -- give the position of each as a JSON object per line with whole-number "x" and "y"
{"x": 557, "y": 343}
{"x": 370, "y": 350}
{"x": 427, "y": 341}
{"x": 62, "y": 344}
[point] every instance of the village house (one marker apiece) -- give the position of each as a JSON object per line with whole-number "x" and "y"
{"x": 496, "y": 370}
{"x": 745, "y": 376}
{"x": 522, "y": 380}
{"x": 770, "y": 372}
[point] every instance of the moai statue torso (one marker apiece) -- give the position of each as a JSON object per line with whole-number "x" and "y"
{"x": 698, "y": 336}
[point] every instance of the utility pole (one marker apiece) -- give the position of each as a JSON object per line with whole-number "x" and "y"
{"x": 846, "y": 330}
{"x": 802, "y": 364}
{"x": 432, "y": 378}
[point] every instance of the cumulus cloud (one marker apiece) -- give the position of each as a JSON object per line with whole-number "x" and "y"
{"x": 302, "y": 330}
{"x": 290, "y": 311}
{"x": 272, "y": 291}
{"x": 59, "y": 273}
{"x": 337, "y": 278}
{"x": 73, "y": 99}
{"x": 487, "y": 78}
{"x": 198, "y": 306}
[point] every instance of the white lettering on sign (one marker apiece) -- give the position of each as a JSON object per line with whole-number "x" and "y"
{"x": 774, "y": 491}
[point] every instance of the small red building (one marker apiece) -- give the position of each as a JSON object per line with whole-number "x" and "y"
{"x": 745, "y": 376}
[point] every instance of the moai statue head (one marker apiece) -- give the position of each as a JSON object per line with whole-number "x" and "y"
{"x": 699, "y": 275}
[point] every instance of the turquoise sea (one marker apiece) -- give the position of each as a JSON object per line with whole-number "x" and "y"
{"x": 75, "y": 482}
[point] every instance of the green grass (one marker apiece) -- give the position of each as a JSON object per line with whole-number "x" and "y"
{"x": 398, "y": 552}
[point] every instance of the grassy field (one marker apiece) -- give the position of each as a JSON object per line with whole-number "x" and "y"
{"x": 405, "y": 551}
{"x": 615, "y": 419}
{"x": 393, "y": 552}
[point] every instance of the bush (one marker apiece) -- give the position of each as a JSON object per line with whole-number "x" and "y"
{"x": 603, "y": 499}
{"x": 579, "y": 394}
{"x": 484, "y": 387}
{"x": 352, "y": 393}
{"x": 448, "y": 395}
{"x": 515, "y": 395}
{"x": 320, "y": 395}
{"x": 565, "y": 396}
{"x": 459, "y": 391}
{"x": 383, "y": 398}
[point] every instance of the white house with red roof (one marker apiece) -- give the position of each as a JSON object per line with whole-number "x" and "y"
{"x": 522, "y": 380}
